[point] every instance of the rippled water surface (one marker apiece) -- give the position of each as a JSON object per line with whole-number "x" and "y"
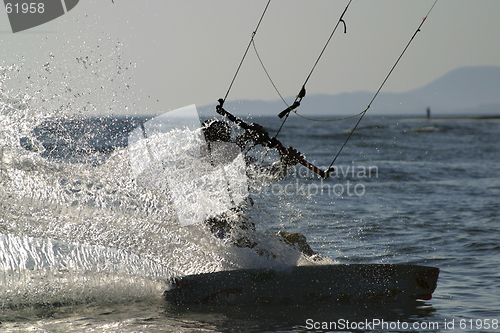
{"x": 84, "y": 249}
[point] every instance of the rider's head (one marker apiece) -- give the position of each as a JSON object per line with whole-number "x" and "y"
{"x": 216, "y": 130}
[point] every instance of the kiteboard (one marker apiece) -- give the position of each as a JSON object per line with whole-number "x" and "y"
{"x": 336, "y": 283}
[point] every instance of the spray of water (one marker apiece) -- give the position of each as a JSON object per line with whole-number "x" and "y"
{"x": 76, "y": 230}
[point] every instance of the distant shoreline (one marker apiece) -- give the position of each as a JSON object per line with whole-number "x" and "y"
{"x": 464, "y": 117}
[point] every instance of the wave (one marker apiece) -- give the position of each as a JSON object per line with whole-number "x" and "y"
{"x": 37, "y": 271}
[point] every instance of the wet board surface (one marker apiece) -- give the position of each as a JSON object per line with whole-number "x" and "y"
{"x": 307, "y": 284}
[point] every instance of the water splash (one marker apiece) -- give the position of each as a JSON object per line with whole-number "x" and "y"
{"x": 77, "y": 229}
{"x": 36, "y": 271}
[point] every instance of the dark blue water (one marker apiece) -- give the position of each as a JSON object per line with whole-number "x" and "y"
{"x": 405, "y": 190}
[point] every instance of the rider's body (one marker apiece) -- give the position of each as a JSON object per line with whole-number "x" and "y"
{"x": 233, "y": 224}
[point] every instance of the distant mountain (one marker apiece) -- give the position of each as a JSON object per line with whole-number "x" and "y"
{"x": 466, "y": 90}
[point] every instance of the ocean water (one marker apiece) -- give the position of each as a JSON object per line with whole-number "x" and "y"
{"x": 82, "y": 248}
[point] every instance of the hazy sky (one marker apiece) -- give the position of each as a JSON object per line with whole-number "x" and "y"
{"x": 152, "y": 56}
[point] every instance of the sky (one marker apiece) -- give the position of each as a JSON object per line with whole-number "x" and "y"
{"x": 148, "y": 57}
